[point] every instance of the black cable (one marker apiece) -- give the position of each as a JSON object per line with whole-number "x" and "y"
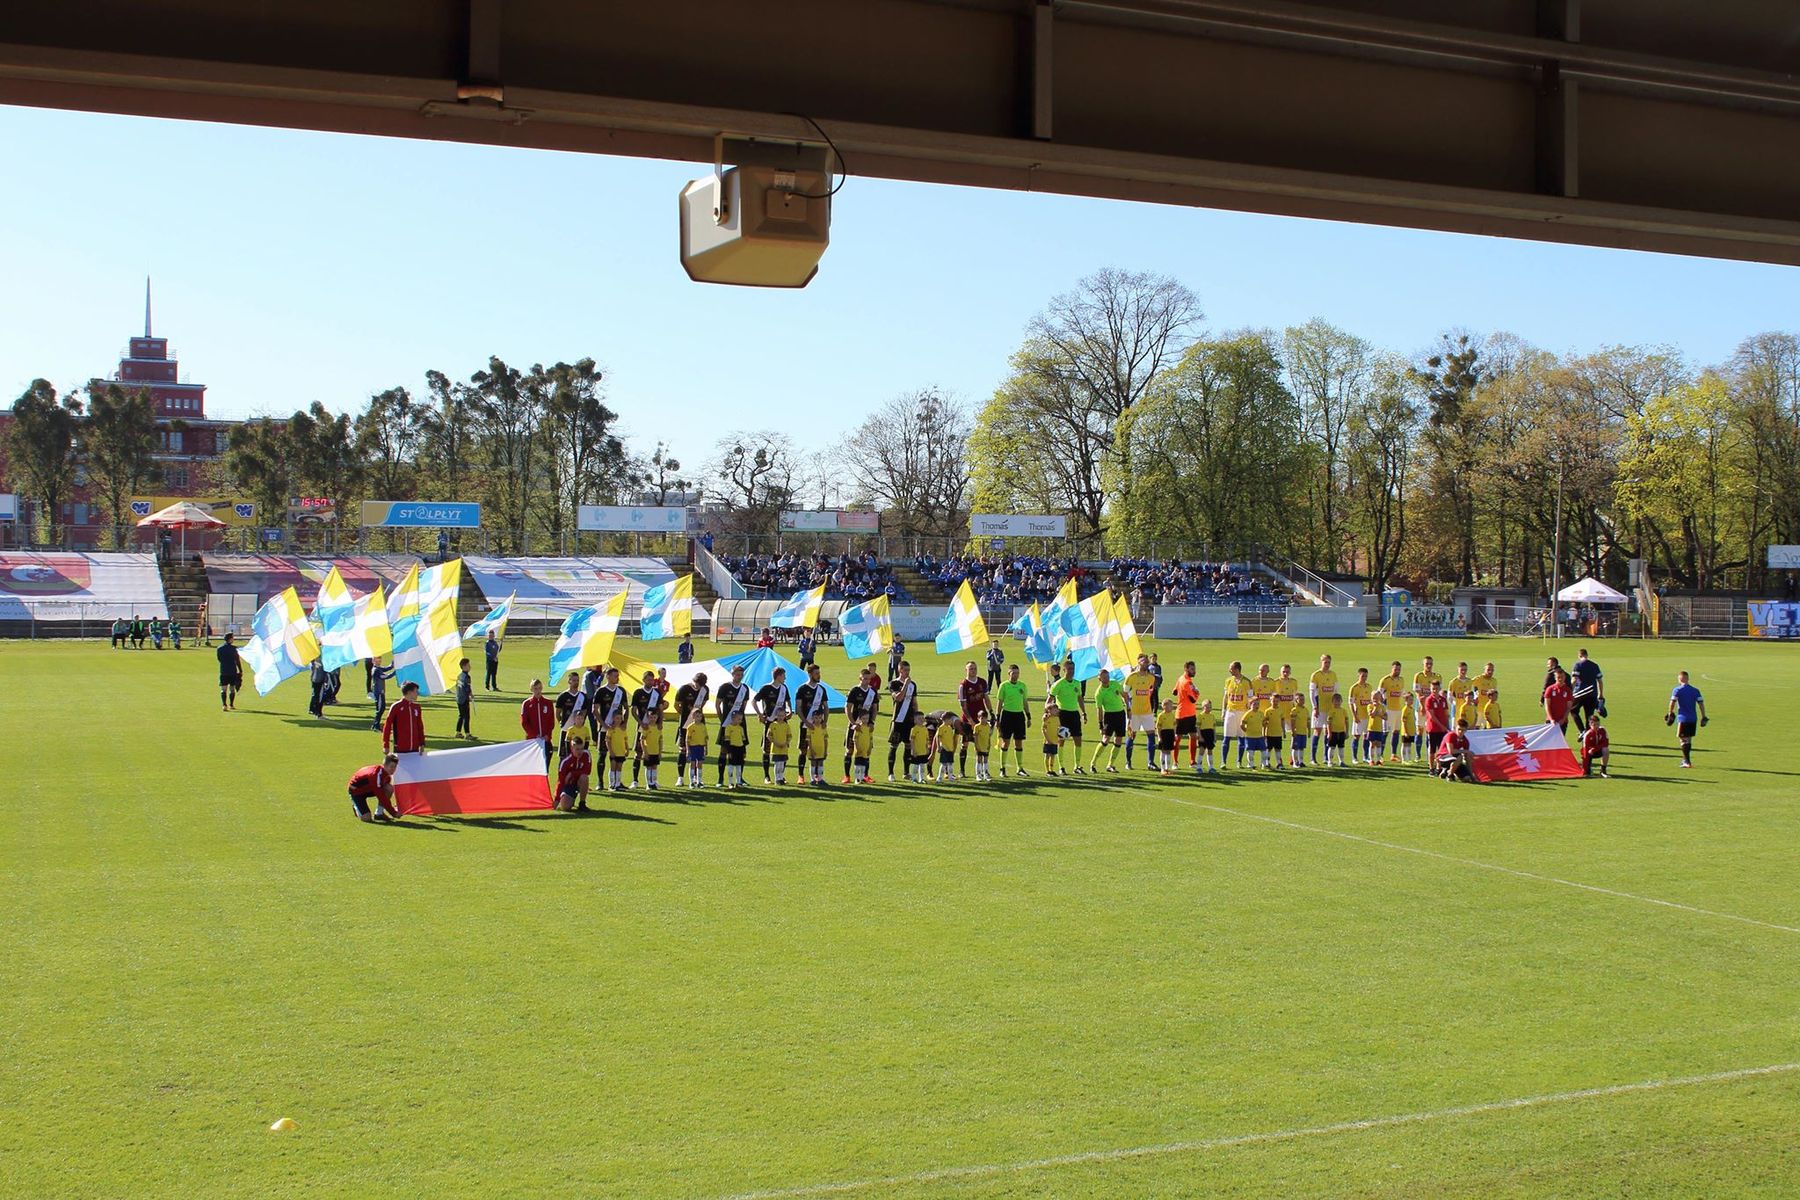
{"x": 843, "y": 167}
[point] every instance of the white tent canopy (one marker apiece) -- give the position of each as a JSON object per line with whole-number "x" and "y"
{"x": 1589, "y": 591}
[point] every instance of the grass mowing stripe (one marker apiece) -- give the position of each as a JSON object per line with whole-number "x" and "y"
{"x": 1086, "y": 1157}
{"x": 1488, "y": 866}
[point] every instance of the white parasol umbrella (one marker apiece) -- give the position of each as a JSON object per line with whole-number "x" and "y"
{"x": 1590, "y": 591}
{"x": 183, "y": 516}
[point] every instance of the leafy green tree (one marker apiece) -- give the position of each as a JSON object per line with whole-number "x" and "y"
{"x": 389, "y": 435}
{"x": 448, "y": 435}
{"x": 510, "y": 407}
{"x": 1216, "y": 452}
{"x": 118, "y": 442}
{"x": 261, "y": 462}
{"x": 1380, "y": 436}
{"x": 583, "y": 459}
{"x": 1683, "y": 470}
{"x": 1454, "y": 440}
{"x": 1328, "y": 371}
{"x": 40, "y": 448}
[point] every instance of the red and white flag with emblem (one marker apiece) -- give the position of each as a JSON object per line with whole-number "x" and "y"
{"x": 1526, "y": 752}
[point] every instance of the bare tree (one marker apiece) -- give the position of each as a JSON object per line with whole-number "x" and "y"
{"x": 910, "y": 458}
{"x": 754, "y": 474}
{"x": 1328, "y": 372}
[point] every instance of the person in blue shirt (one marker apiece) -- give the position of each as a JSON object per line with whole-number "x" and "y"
{"x": 684, "y": 653}
{"x": 1589, "y": 685}
{"x": 1687, "y": 712}
{"x": 491, "y": 649}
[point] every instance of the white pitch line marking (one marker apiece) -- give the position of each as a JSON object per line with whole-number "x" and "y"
{"x": 1488, "y": 866}
{"x": 983, "y": 1170}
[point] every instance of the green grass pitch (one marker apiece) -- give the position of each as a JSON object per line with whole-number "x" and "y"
{"x": 1347, "y": 983}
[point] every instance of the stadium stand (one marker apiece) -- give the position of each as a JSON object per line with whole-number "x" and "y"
{"x": 850, "y": 577}
{"x": 1020, "y": 580}
{"x": 67, "y": 594}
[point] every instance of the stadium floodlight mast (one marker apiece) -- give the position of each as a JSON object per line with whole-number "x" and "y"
{"x": 764, "y": 221}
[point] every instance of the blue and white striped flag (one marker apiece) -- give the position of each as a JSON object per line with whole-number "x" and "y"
{"x": 868, "y": 628}
{"x": 495, "y": 621}
{"x": 1084, "y": 628}
{"x": 962, "y": 627}
{"x": 801, "y": 611}
{"x": 668, "y": 610}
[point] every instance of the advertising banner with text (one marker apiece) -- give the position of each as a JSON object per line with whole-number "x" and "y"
{"x": 232, "y": 512}
{"x": 1784, "y": 558}
{"x": 1774, "y": 619}
{"x": 415, "y": 514}
{"x": 631, "y": 518}
{"x": 998, "y": 525}
{"x": 831, "y": 520}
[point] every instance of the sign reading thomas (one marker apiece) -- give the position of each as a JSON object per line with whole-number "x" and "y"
{"x": 416, "y": 514}
{"x": 632, "y": 518}
{"x": 1001, "y": 525}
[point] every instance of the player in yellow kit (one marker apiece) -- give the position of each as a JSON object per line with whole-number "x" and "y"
{"x": 1462, "y": 692}
{"x": 1361, "y": 692}
{"x": 1254, "y": 736}
{"x": 693, "y": 736}
{"x": 1206, "y": 728}
{"x": 1054, "y": 734}
{"x": 1140, "y": 712}
{"x": 862, "y": 748}
{"x": 1377, "y": 722}
{"x": 918, "y": 752}
{"x": 1320, "y": 688}
{"x": 1490, "y": 716}
{"x": 1288, "y": 701}
{"x": 983, "y": 738}
{"x": 1337, "y": 726}
{"x": 1394, "y": 692}
{"x": 1409, "y": 728}
{"x": 947, "y": 740}
{"x": 1165, "y": 738}
{"x": 780, "y": 736}
{"x": 1237, "y": 702}
{"x": 1423, "y": 681}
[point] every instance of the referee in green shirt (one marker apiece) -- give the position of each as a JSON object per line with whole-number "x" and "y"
{"x": 1109, "y": 698}
{"x": 1011, "y": 698}
{"x": 1071, "y": 706}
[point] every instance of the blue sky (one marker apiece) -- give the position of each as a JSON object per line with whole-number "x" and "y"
{"x": 291, "y": 267}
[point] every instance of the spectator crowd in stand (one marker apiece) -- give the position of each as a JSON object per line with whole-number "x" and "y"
{"x": 1025, "y": 579}
{"x": 851, "y": 577}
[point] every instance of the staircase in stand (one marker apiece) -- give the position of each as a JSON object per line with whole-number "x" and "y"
{"x": 184, "y": 587}
{"x": 924, "y": 592}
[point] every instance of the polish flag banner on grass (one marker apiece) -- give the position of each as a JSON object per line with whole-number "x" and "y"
{"x": 508, "y": 777}
{"x": 1525, "y": 752}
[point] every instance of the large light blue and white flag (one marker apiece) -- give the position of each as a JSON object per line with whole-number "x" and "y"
{"x": 1051, "y": 643}
{"x": 281, "y": 642}
{"x": 427, "y": 639}
{"x": 668, "y": 610}
{"x": 962, "y": 627}
{"x": 1025, "y": 624}
{"x": 1084, "y": 631}
{"x": 494, "y": 622}
{"x": 868, "y": 628}
{"x": 587, "y": 637}
{"x": 801, "y": 611}
{"x": 351, "y": 627}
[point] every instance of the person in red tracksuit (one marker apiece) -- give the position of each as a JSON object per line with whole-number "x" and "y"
{"x": 404, "y": 730}
{"x": 572, "y": 777}
{"x": 1435, "y": 709}
{"x": 375, "y": 783}
{"x": 537, "y": 717}
{"x": 1595, "y": 747}
{"x": 1559, "y": 697}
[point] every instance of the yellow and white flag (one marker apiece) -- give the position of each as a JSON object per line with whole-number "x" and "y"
{"x": 428, "y": 642}
{"x": 587, "y": 637}
{"x": 962, "y": 626}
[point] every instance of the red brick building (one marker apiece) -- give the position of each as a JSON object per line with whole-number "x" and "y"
{"x": 190, "y": 440}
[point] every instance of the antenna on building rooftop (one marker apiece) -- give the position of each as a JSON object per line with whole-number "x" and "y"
{"x": 146, "y": 306}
